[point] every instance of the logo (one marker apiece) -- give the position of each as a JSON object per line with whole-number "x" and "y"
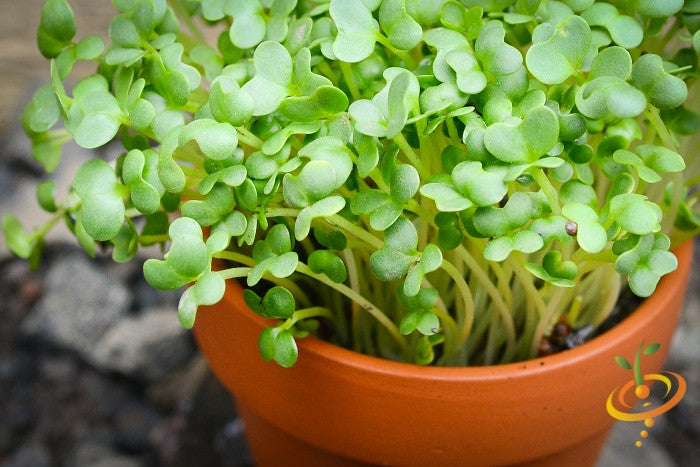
{"x": 631, "y": 402}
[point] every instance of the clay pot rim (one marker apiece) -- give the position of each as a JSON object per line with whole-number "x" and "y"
{"x": 667, "y": 288}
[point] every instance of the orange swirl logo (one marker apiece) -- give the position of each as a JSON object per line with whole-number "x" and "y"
{"x": 622, "y": 401}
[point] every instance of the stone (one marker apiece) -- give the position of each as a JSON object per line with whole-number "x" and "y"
{"x": 133, "y": 425}
{"x": 99, "y": 455}
{"x": 144, "y": 347}
{"x": 179, "y": 386}
{"x": 79, "y": 305}
{"x": 31, "y": 454}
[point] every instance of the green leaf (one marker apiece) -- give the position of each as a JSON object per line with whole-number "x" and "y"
{"x": 424, "y": 351}
{"x": 357, "y": 30}
{"x": 470, "y": 78}
{"x": 657, "y": 9}
{"x": 123, "y": 32}
{"x": 430, "y": 260}
{"x": 624, "y": 30}
{"x": 56, "y": 27}
{"x": 493, "y": 221}
{"x": 277, "y": 303}
{"x": 404, "y": 183}
{"x": 427, "y": 323}
{"x": 555, "y": 270}
{"x": 609, "y": 95}
{"x": 18, "y": 240}
{"x": 551, "y": 228}
{"x": 497, "y": 56}
{"x": 273, "y": 254}
{"x": 368, "y": 154}
{"x": 329, "y": 167}
{"x": 125, "y": 244}
{"x": 144, "y": 194}
{"x": 208, "y": 290}
{"x": 273, "y": 76}
{"x": 218, "y": 202}
{"x": 95, "y": 116}
{"x": 326, "y": 262}
{"x": 500, "y": 248}
{"x": 409, "y": 322}
{"x": 228, "y": 103}
{"x": 325, "y": 101}
{"x": 325, "y": 207}
{"x": 382, "y": 211}
{"x": 46, "y": 195}
{"x": 525, "y": 141}
{"x": 248, "y": 27}
{"x": 44, "y": 111}
{"x": 403, "y": 31}
{"x": 558, "y": 51}
{"x": 482, "y": 187}
{"x": 591, "y": 235}
{"x": 278, "y": 345}
{"x": 216, "y": 140}
{"x": 233, "y": 225}
{"x": 446, "y": 197}
{"x": 611, "y": 61}
{"x": 663, "y": 90}
{"x": 399, "y": 252}
{"x": 186, "y": 260}
{"x": 102, "y": 209}
{"x": 634, "y": 213}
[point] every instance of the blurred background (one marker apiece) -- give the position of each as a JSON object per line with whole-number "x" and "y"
{"x": 95, "y": 369}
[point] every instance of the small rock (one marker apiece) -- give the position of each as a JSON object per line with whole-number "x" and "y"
{"x": 118, "y": 461}
{"x": 79, "y": 304}
{"x": 133, "y": 425}
{"x": 231, "y": 443}
{"x": 32, "y": 454}
{"x": 104, "y": 396}
{"x": 181, "y": 384}
{"x": 146, "y": 346}
{"x": 58, "y": 369}
{"x": 93, "y": 455}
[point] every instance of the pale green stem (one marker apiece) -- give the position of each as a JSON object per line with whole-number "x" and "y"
{"x": 549, "y": 191}
{"x": 350, "y": 81}
{"x": 491, "y": 289}
{"x": 353, "y": 278}
{"x": 305, "y": 313}
{"x": 468, "y": 319}
{"x": 363, "y": 302}
{"x": 654, "y": 118}
{"x": 545, "y": 320}
{"x": 233, "y": 273}
{"x": 411, "y": 155}
{"x": 187, "y": 19}
{"x": 355, "y": 230}
{"x": 283, "y": 281}
{"x": 613, "y": 283}
{"x": 247, "y": 137}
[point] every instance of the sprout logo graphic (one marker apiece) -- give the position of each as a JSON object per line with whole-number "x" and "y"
{"x": 622, "y": 401}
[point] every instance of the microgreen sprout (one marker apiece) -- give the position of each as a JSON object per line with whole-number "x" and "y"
{"x": 438, "y": 182}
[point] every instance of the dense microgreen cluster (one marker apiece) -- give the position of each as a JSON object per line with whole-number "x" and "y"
{"x": 439, "y": 182}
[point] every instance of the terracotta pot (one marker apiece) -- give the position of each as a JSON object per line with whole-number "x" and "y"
{"x": 337, "y": 407}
